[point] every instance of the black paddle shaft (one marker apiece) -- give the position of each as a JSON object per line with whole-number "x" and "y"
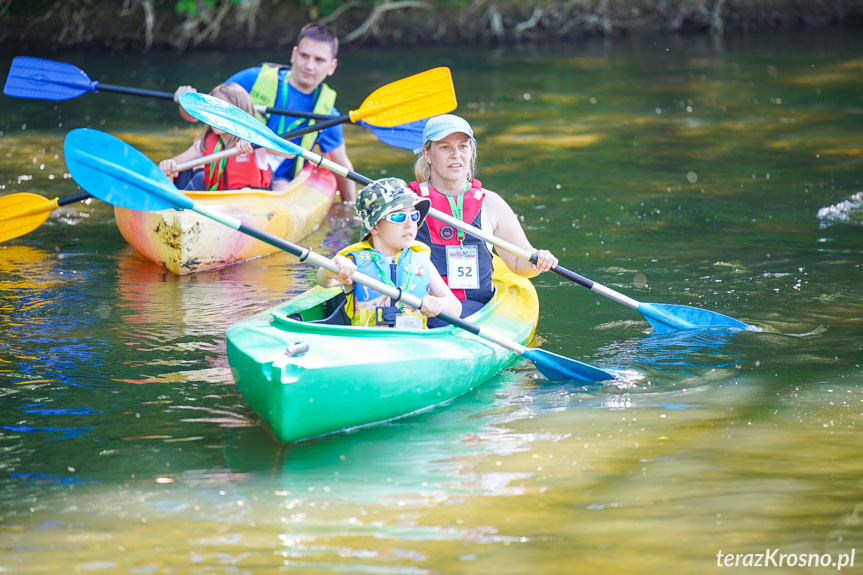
{"x": 303, "y": 254}
{"x": 100, "y": 87}
{"x": 565, "y": 273}
{"x": 75, "y": 198}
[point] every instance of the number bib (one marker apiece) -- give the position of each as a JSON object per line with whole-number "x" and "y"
{"x": 462, "y": 265}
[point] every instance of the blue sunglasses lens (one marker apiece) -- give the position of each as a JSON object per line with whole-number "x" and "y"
{"x": 400, "y": 217}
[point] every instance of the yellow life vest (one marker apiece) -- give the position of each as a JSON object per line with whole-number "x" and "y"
{"x": 264, "y": 93}
{"x": 412, "y": 270}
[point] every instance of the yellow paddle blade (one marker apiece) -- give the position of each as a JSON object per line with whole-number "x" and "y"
{"x": 416, "y": 97}
{"x": 22, "y": 213}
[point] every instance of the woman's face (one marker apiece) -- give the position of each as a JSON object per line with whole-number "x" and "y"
{"x": 390, "y": 237}
{"x": 450, "y": 158}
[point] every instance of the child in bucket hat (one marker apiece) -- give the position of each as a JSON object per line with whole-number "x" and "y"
{"x": 390, "y": 214}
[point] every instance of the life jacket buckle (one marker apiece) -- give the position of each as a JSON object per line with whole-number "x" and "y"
{"x": 387, "y": 315}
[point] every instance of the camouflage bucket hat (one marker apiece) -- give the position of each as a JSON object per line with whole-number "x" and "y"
{"x": 386, "y": 196}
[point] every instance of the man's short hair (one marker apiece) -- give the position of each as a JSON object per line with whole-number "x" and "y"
{"x": 320, "y": 33}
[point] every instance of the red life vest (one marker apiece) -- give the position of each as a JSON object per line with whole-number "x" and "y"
{"x": 438, "y": 235}
{"x": 235, "y": 172}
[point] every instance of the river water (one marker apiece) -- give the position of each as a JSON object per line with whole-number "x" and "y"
{"x": 717, "y": 173}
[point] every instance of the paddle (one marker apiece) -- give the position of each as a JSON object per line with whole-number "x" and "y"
{"x": 36, "y": 78}
{"x": 123, "y": 176}
{"x": 664, "y": 318}
{"x": 398, "y": 137}
{"x": 24, "y": 212}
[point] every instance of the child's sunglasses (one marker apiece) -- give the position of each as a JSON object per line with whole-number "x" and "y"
{"x": 401, "y": 217}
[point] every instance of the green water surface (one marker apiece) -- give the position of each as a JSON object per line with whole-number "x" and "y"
{"x": 675, "y": 170}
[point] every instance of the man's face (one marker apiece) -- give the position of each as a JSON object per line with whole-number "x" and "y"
{"x": 311, "y": 63}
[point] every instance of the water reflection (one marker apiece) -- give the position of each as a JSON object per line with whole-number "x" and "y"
{"x": 683, "y": 173}
{"x": 424, "y": 458}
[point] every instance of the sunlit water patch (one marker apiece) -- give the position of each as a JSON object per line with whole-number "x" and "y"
{"x": 848, "y": 211}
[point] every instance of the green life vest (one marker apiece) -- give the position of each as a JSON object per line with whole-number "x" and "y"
{"x": 264, "y": 93}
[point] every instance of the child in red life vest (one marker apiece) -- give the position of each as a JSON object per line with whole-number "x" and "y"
{"x": 390, "y": 213}
{"x": 247, "y": 169}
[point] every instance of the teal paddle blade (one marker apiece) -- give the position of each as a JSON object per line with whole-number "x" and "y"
{"x": 117, "y": 173}
{"x": 231, "y": 119}
{"x": 668, "y": 318}
{"x": 558, "y": 368}
{"x": 40, "y": 79}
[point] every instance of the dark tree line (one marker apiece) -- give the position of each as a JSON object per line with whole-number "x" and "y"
{"x": 202, "y": 24}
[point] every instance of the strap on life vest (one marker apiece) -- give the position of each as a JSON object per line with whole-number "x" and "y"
{"x": 266, "y": 89}
{"x": 324, "y": 105}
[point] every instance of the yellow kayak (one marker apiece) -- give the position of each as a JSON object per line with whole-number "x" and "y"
{"x": 184, "y": 241}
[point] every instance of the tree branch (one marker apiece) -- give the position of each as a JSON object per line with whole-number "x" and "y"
{"x": 377, "y": 13}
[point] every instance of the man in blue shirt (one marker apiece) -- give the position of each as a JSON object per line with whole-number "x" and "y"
{"x": 300, "y": 87}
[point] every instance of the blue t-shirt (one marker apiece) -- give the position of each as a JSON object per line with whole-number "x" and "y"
{"x": 328, "y": 139}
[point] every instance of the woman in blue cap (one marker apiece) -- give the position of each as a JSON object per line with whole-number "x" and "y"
{"x": 445, "y": 169}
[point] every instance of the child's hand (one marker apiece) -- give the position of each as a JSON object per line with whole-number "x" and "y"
{"x": 169, "y": 168}
{"x": 244, "y": 147}
{"x": 346, "y": 270}
{"x": 182, "y": 90}
{"x": 431, "y": 306}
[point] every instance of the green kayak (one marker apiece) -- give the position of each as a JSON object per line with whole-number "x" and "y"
{"x": 307, "y": 378}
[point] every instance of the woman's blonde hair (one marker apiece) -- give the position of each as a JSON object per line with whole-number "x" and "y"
{"x": 422, "y": 169}
{"x": 232, "y": 94}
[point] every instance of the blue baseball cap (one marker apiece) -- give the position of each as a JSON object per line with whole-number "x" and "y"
{"x": 442, "y": 126}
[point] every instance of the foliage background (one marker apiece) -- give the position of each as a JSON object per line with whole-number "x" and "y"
{"x": 135, "y": 25}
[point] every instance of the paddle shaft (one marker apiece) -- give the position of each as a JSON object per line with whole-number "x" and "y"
{"x": 121, "y": 169}
{"x": 50, "y": 205}
{"x": 663, "y": 318}
{"x": 515, "y": 250}
{"x": 524, "y": 254}
{"x": 100, "y": 87}
{"x": 655, "y": 314}
{"x": 396, "y": 294}
{"x": 289, "y": 147}
{"x": 74, "y": 198}
{"x": 660, "y": 317}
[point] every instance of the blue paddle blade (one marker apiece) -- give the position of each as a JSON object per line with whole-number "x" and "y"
{"x": 669, "y": 318}
{"x": 40, "y": 79}
{"x": 406, "y": 136}
{"x": 558, "y": 368}
{"x": 116, "y": 173}
{"x": 232, "y": 120}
